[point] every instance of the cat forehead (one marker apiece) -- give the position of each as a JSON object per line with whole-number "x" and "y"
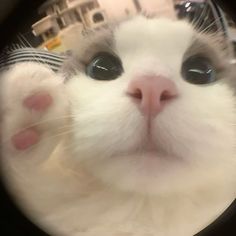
{"x": 140, "y": 32}
{"x": 162, "y": 34}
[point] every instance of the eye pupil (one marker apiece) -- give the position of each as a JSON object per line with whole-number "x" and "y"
{"x": 104, "y": 66}
{"x": 198, "y": 70}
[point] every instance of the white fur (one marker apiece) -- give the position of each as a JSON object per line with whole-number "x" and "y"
{"x": 95, "y": 182}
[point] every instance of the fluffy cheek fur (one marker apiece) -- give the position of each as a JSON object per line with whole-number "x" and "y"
{"x": 195, "y": 135}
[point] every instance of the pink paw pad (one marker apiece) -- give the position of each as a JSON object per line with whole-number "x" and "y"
{"x": 25, "y": 139}
{"x": 39, "y": 101}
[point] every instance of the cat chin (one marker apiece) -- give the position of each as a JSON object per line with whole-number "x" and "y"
{"x": 179, "y": 170}
{"x": 164, "y": 186}
{"x": 152, "y": 175}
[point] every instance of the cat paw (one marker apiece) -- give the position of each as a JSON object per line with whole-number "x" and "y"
{"x": 34, "y": 111}
{"x": 38, "y": 102}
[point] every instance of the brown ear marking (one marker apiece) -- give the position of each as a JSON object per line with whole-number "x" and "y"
{"x": 214, "y": 47}
{"x": 93, "y": 43}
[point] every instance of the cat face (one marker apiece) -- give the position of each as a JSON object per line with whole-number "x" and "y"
{"x": 152, "y": 110}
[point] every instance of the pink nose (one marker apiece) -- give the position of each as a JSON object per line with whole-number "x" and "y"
{"x": 152, "y": 93}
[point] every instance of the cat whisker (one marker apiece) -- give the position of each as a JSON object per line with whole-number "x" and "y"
{"x": 48, "y": 121}
{"x": 8, "y": 139}
{"x": 26, "y": 44}
{"x": 208, "y": 28}
{"x": 197, "y": 19}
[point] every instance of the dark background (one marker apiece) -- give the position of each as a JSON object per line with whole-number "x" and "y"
{"x": 18, "y": 16}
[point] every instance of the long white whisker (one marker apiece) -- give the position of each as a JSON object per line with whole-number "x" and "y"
{"x": 27, "y": 44}
{"x": 199, "y": 18}
{"x": 209, "y": 26}
{"x": 8, "y": 139}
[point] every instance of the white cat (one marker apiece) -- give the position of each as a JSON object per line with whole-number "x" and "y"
{"x": 141, "y": 141}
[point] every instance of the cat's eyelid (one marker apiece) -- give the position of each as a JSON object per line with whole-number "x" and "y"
{"x": 207, "y": 49}
{"x": 199, "y": 47}
{"x": 96, "y": 42}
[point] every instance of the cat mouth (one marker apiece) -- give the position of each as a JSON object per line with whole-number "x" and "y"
{"x": 148, "y": 143}
{"x": 149, "y": 150}
{"x": 152, "y": 163}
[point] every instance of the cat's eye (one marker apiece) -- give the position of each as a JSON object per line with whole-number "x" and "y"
{"x": 198, "y": 70}
{"x": 104, "y": 66}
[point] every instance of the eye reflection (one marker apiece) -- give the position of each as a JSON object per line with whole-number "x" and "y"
{"x": 104, "y": 66}
{"x": 198, "y": 70}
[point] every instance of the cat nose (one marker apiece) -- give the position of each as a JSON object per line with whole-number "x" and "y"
{"x": 152, "y": 93}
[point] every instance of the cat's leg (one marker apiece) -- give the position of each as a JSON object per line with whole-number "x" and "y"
{"x": 34, "y": 111}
